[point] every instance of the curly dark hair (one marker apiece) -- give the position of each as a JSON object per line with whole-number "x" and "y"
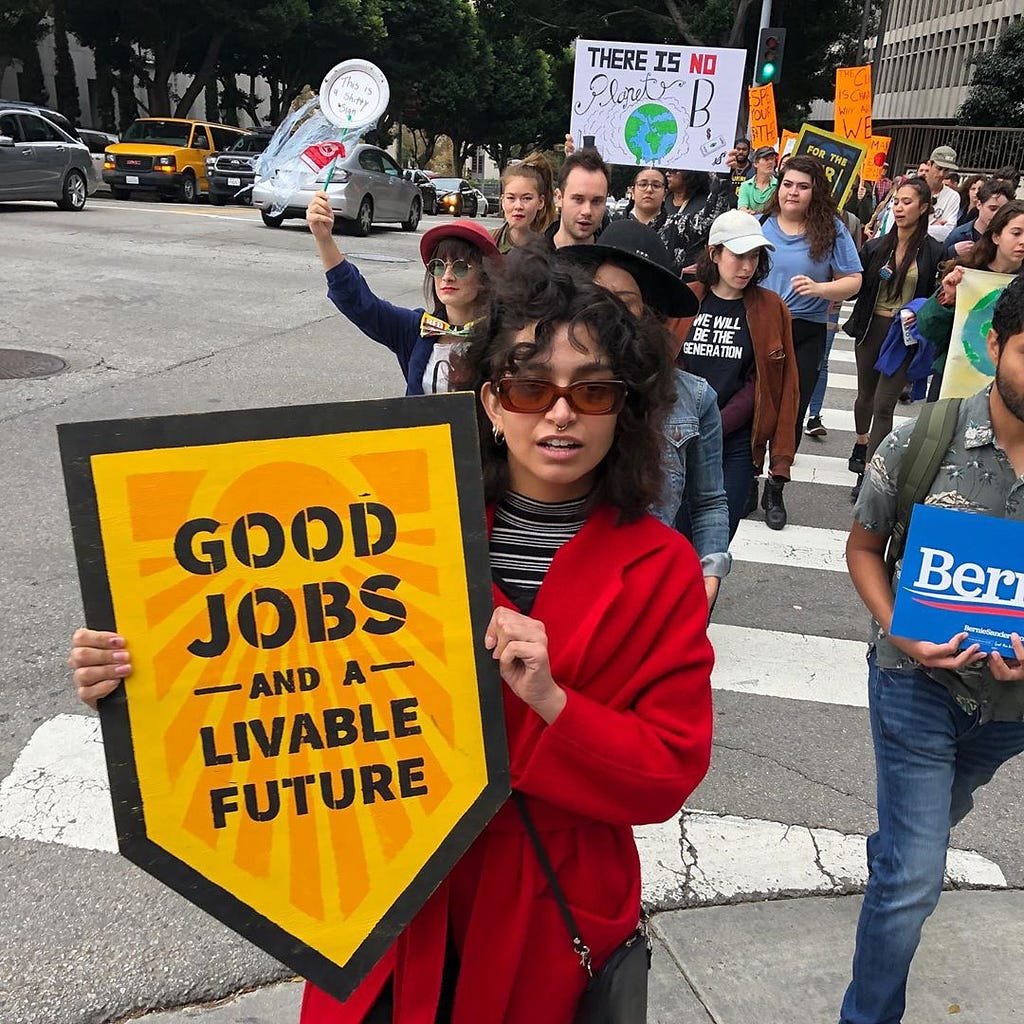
{"x": 820, "y": 223}
{"x": 1008, "y": 315}
{"x": 532, "y": 288}
{"x": 457, "y": 249}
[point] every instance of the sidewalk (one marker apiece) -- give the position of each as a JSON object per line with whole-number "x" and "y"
{"x": 778, "y": 962}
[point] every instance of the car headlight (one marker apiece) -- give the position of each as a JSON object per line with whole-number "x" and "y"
{"x": 109, "y": 162}
{"x": 210, "y": 161}
{"x": 165, "y": 161}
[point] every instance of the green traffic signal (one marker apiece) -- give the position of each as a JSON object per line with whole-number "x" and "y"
{"x": 767, "y": 71}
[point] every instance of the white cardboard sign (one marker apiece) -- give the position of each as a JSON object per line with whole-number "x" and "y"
{"x": 653, "y": 104}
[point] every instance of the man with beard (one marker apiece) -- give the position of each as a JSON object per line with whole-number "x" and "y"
{"x": 581, "y": 196}
{"x": 944, "y": 716}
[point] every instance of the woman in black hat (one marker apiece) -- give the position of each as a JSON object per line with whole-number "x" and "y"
{"x": 631, "y": 261}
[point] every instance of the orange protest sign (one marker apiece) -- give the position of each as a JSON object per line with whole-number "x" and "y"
{"x": 874, "y": 162}
{"x": 313, "y": 733}
{"x": 853, "y": 103}
{"x": 787, "y": 142}
{"x": 764, "y": 128}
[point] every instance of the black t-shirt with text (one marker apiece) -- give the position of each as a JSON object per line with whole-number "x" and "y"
{"x": 718, "y": 347}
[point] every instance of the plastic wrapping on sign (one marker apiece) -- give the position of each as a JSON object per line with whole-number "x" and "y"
{"x": 281, "y": 166}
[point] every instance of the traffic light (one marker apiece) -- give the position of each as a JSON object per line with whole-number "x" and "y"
{"x": 770, "y": 46}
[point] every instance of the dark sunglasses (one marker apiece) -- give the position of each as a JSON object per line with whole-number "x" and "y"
{"x": 586, "y": 397}
{"x": 460, "y": 268}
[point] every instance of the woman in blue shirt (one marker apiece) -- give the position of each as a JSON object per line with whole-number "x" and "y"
{"x": 815, "y": 263}
{"x": 455, "y": 255}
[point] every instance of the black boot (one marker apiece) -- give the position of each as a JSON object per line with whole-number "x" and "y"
{"x": 771, "y": 502}
{"x": 857, "y": 458}
{"x": 855, "y": 490}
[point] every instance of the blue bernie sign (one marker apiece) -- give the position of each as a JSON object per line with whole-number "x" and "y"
{"x": 962, "y": 573}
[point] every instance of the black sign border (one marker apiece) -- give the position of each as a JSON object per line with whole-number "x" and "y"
{"x": 79, "y": 442}
{"x": 849, "y": 148}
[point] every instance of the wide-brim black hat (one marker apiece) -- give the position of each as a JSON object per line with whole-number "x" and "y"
{"x": 638, "y": 249}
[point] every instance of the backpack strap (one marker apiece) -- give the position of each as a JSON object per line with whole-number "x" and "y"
{"x": 929, "y": 441}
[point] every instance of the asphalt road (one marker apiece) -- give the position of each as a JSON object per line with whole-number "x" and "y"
{"x": 159, "y": 309}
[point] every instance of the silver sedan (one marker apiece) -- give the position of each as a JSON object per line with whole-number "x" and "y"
{"x": 40, "y": 161}
{"x": 367, "y": 188}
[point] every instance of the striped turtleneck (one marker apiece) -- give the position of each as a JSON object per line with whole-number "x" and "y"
{"x": 525, "y": 536}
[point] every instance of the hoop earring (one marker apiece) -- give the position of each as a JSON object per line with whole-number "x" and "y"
{"x": 499, "y": 437}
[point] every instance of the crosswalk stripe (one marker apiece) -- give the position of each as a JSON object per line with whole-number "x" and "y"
{"x": 842, "y": 419}
{"x": 842, "y": 381}
{"x": 841, "y": 356}
{"x": 797, "y": 547}
{"x": 821, "y": 469}
{"x": 796, "y": 666}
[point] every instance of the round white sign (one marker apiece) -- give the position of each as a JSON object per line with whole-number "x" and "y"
{"x": 354, "y": 93}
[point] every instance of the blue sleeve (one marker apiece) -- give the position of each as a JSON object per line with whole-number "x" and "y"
{"x": 395, "y": 327}
{"x": 705, "y": 492}
{"x": 845, "y": 258}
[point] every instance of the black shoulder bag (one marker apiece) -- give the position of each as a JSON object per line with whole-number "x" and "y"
{"x": 617, "y": 994}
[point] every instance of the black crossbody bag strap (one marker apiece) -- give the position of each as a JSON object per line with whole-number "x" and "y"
{"x": 582, "y": 951}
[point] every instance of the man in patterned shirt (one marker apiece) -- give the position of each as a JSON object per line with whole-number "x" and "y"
{"x": 943, "y": 717}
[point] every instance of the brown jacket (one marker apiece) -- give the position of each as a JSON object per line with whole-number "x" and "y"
{"x": 777, "y": 387}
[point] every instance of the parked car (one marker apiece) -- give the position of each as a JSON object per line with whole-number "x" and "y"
{"x": 428, "y": 193}
{"x": 97, "y": 142}
{"x": 457, "y": 197}
{"x": 54, "y": 116}
{"x": 367, "y": 188}
{"x": 38, "y": 160}
{"x": 231, "y": 171}
{"x": 166, "y": 155}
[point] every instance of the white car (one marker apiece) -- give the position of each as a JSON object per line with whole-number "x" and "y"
{"x": 367, "y": 188}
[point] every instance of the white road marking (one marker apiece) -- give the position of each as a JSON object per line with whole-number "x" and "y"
{"x": 57, "y": 791}
{"x": 841, "y": 356}
{"x": 842, "y": 381}
{"x": 801, "y": 547}
{"x": 842, "y": 419}
{"x": 766, "y": 663}
{"x": 705, "y": 858}
{"x": 821, "y": 469}
{"x": 239, "y": 218}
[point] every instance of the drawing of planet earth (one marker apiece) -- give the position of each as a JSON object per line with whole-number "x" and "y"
{"x": 975, "y": 333}
{"x": 651, "y": 132}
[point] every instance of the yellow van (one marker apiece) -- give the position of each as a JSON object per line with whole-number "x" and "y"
{"x": 165, "y": 155}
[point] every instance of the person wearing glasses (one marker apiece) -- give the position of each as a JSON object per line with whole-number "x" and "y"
{"x": 647, "y": 196}
{"x": 599, "y": 634}
{"x": 458, "y": 256}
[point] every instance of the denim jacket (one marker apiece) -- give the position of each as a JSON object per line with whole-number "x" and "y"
{"x": 693, "y": 472}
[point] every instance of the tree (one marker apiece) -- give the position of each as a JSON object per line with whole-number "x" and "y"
{"x": 996, "y": 95}
{"x": 22, "y": 25}
{"x": 68, "y": 102}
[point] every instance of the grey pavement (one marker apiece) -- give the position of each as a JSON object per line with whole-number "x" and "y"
{"x": 777, "y": 962}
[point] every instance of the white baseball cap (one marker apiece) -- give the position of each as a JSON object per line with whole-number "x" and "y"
{"x": 739, "y": 232}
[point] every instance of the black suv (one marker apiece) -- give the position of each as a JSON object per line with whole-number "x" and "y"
{"x": 232, "y": 169}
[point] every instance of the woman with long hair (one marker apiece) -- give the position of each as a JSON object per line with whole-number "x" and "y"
{"x": 815, "y": 263}
{"x": 458, "y": 257}
{"x": 1001, "y": 250}
{"x": 599, "y": 634}
{"x": 741, "y": 342}
{"x": 692, "y": 204}
{"x": 646, "y": 198}
{"x": 898, "y": 267}
{"x": 969, "y": 201}
{"x": 527, "y": 201}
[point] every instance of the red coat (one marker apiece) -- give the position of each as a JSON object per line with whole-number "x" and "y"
{"x": 625, "y": 613}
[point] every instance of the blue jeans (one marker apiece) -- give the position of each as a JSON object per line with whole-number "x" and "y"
{"x": 930, "y": 757}
{"x": 738, "y": 477}
{"x": 818, "y": 395}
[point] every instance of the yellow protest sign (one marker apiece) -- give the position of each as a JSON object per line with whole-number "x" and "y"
{"x": 874, "y": 162}
{"x": 764, "y": 128}
{"x": 313, "y": 733}
{"x": 841, "y": 157}
{"x": 853, "y": 103}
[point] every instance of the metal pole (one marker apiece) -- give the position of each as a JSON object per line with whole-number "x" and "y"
{"x": 766, "y": 20}
{"x": 861, "y": 40}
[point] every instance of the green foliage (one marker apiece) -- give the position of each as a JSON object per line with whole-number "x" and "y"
{"x": 996, "y": 96}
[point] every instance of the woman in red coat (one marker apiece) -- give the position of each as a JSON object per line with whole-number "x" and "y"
{"x": 599, "y": 630}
